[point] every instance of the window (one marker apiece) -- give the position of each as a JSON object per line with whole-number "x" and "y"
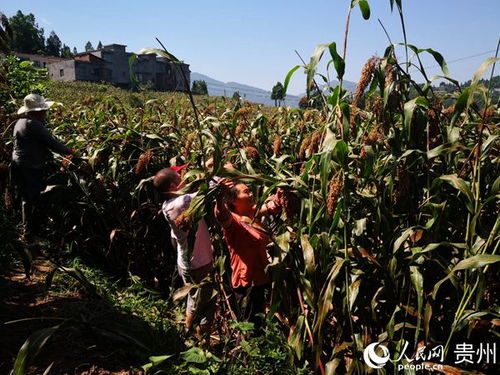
{"x": 61, "y": 72}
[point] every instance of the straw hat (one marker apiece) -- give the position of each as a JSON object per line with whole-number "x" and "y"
{"x": 34, "y": 102}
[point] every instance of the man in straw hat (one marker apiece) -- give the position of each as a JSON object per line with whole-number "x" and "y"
{"x": 32, "y": 141}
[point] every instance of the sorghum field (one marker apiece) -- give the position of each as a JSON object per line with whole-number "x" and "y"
{"x": 390, "y": 230}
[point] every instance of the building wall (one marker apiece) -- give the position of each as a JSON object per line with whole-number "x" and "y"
{"x": 93, "y": 72}
{"x": 39, "y": 61}
{"x": 116, "y": 55}
{"x": 114, "y": 68}
{"x": 180, "y": 84}
{"x": 62, "y": 70}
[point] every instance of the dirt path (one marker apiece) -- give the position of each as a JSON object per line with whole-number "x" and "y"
{"x": 73, "y": 353}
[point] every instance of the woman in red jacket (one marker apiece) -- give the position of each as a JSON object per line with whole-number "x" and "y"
{"x": 247, "y": 242}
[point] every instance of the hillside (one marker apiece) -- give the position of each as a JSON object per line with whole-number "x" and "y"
{"x": 253, "y": 94}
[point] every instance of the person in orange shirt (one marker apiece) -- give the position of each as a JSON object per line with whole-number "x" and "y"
{"x": 247, "y": 241}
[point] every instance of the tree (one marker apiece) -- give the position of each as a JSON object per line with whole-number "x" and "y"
{"x": 88, "y": 47}
{"x": 27, "y": 36}
{"x": 53, "y": 46}
{"x": 66, "y": 52}
{"x": 278, "y": 93}
{"x": 199, "y": 87}
{"x": 99, "y": 46}
{"x": 5, "y": 34}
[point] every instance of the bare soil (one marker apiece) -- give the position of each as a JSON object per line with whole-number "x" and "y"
{"x": 77, "y": 352}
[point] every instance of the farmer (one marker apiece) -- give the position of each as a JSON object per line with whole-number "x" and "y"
{"x": 247, "y": 242}
{"x": 32, "y": 141}
{"x": 194, "y": 264}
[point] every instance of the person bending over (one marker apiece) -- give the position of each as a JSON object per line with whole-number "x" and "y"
{"x": 194, "y": 264}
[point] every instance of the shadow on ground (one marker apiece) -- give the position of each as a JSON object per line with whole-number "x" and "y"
{"x": 94, "y": 337}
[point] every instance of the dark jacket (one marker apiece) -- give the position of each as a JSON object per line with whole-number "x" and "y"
{"x": 32, "y": 140}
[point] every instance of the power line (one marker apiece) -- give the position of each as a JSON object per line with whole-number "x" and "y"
{"x": 456, "y": 60}
{"x": 462, "y": 58}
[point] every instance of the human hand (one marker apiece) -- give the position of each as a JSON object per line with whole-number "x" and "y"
{"x": 226, "y": 184}
{"x": 209, "y": 163}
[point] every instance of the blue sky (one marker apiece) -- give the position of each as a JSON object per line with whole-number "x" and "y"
{"x": 253, "y": 42}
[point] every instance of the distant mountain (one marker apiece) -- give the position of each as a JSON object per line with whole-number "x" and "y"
{"x": 350, "y": 86}
{"x": 250, "y": 93}
{"x": 254, "y": 94}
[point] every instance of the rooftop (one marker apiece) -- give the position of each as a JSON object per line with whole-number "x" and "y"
{"x": 32, "y": 56}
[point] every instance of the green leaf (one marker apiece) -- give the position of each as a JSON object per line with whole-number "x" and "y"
{"x": 31, "y": 348}
{"x": 340, "y": 152}
{"x": 476, "y": 261}
{"x": 369, "y": 162}
{"x": 417, "y": 251}
{"x": 338, "y": 61}
{"x": 308, "y": 252}
{"x": 154, "y": 136}
{"x": 330, "y": 140}
{"x": 460, "y": 105}
{"x": 131, "y": 62}
{"x": 468, "y": 316}
{"x": 333, "y": 98}
{"x": 197, "y": 371}
{"x": 461, "y": 186}
{"x": 47, "y": 370}
{"x": 437, "y": 56}
{"x": 418, "y": 282}
{"x": 313, "y": 64}
{"x": 288, "y": 76}
{"x": 427, "y": 319}
{"x": 495, "y": 188}
{"x": 439, "y": 59}
{"x": 409, "y": 109}
{"x": 163, "y": 53}
{"x": 156, "y": 360}
{"x": 182, "y": 292}
{"x": 194, "y": 355}
{"x": 325, "y": 301}
{"x": 242, "y": 326}
{"x": 365, "y": 9}
{"x": 489, "y": 142}
{"x": 295, "y": 340}
{"x": 482, "y": 69}
{"x": 402, "y": 238}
